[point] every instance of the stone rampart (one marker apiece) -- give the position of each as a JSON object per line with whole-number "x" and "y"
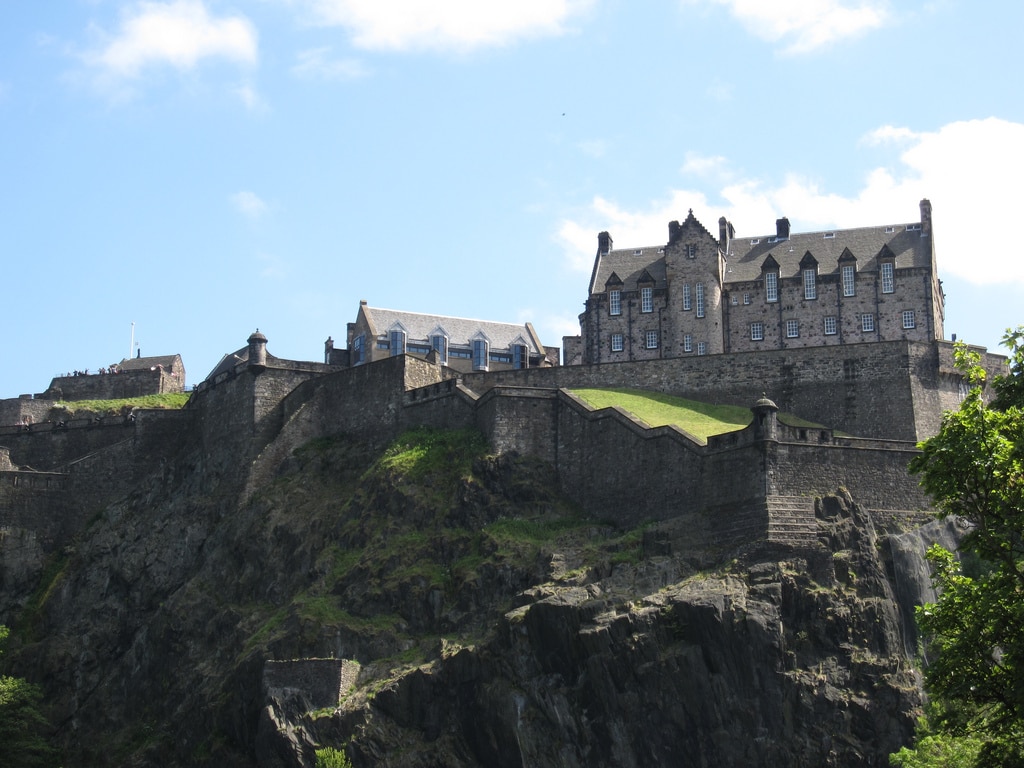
{"x": 894, "y": 389}
{"x": 114, "y": 386}
{"x": 323, "y": 681}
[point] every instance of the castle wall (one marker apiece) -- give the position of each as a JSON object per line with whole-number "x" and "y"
{"x": 882, "y": 389}
{"x": 114, "y": 386}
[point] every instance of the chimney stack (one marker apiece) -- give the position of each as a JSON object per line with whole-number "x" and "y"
{"x": 604, "y": 243}
{"x": 782, "y": 228}
{"x": 926, "y": 218}
{"x": 725, "y": 233}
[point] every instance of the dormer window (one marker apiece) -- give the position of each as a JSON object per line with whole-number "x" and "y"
{"x": 848, "y": 272}
{"x": 439, "y": 343}
{"x": 771, "y": 286}
{"x": 396, "y": 341}
{"x": 615, "y": 302}
{"x": 809, "y": 272}
{"x": 520, "y": 357}
{"x": 480, "y": 350}
{"x": 887, "y": 271}
{"x": 647, "y": 299}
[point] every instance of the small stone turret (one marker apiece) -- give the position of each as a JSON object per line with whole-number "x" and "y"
{"x": 766, "y": 419}
{"x": 257, "y": 351}
{"x": 926, "y": 218}
{"x": 328, "y": 350}
{"x": 604, "y": 243}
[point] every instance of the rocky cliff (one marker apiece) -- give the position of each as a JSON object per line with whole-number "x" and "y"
{"x": 488, "y": 622}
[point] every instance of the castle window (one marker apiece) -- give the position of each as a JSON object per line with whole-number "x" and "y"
{"x": 771, "y": 286}
{"x": 888, "y": 284}
{"x": 830, "y": 325}
{"x": 913, "y": 227}
{"x": 746, "y": 298}
{"x": 757, "y": 331}
{"x": 616, "y": 342}
{"x": 830, "y": 235}
{"x": 638, "y": 252}
{"x": 908, "y": 319}
{"x": 792, "y": 329}
{"x": 687, "y": 299}
{"x": 647, "y": 299}
{"x": 480, "y": 354}
{"x": 615, "y": 302}
{"x": 520, "y": 357}
{"x": 702, "y": 347}
{"x": 651, "y": 339}
{"x": 358, "y": 350}
{"x": 687, "y": 343}
{"x": 867, "y": 322}
{"x": 691, "y": 251}
{"x": 439, "y": 344}
{"x": 849, "y": 280}
{"x": 810, "y": 286}
{"x": 700, "y": 299}
{"x": 397, "y": 341}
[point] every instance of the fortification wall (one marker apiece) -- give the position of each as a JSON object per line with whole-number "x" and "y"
{"x": 882, "y": 389}
{"x": 113, "y": 386}
{"x": 47, "y": 446}
{"x": 25, "y": 409}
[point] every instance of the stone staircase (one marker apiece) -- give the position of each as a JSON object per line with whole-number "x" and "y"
{"x": 791, "y": 520}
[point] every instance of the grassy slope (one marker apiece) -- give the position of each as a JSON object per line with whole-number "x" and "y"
{"x": 657, "y": 409}
{"x": 171, "y": 401}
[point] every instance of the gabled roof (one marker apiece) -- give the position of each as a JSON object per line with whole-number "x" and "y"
{"x": 629, "y": 265}
{"x": 461, "y": 330}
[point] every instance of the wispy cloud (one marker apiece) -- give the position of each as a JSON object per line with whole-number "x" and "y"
{"x": 178, "y": 34}
{"x": 317, "y": 63}
{"x": 445, "y": 24}
{"x": 967, "y": 169}
{"x": 248, "y": 204}
{"x": 594, "y": 147}
{"x": 251, "y": 98}
{"x": 802, "y": 26}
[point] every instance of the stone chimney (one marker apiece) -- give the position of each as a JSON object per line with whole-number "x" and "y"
{"x": 257, "y": 350}
{"x": 926, "y": 218}
{"x": 604, "y": 243}
{"x": 725, "y": 234}
{"x": 782, "y": 228}
{"x": 328, "y": 349}
{"x": 673, "y": 231}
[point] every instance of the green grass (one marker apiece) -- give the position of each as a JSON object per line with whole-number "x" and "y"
{"x": 656, "y": 409}
{"x": 168, "y": 401}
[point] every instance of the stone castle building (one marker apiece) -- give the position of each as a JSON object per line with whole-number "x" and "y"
{"x": 458, "y": 343}
{"x": 702, "y": 295}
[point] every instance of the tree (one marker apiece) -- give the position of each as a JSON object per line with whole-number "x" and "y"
{"x": 974, "y": 468}
{"x": 22, "y": 743}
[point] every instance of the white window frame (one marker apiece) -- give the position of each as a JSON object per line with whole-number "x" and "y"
{"x": 481, "y": 354}
{"x": 691, "y": 251}
{"x": 849, "y": 280}
{"x": 617, "y": 342}
{"x": 651, "y": 339}
{"x": 614, "y": 302}
{"x": 746, "y": 298}
{"x": 699, "y": 291}
{"x": 831, "y": 325}
{"x": 810, "y": 285}
{"x": 792, "y": 329}
{"x": 687, "y": 298}
{"x": 771, "y": 286}
{"x": 647, "y": 299}
{"x": 867, "y": 323}
{"x": 687, "y": 343}
{"x": 909, "y": 319}
{"x": 702, "y": 348}
{"x": 757, "y": 331}
{"x": 887, "y": 270}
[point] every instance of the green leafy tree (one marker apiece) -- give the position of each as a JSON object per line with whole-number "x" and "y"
{"x": 974, "y": 468}
{"x": 22, "y": 743}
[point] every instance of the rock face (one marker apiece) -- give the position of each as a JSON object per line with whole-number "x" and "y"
{"x": 494, "y": 624}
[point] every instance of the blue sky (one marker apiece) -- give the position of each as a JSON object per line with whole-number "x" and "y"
{"x": 202, "y": 168}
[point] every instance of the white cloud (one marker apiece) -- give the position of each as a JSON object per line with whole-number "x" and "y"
{"x": 317, "y": 63}
{"x": 801, "y": 26}
{"x": 968, "y": 170}
{"x": 888, "y": 134}
{"x": 594, "y": 147}
{"x": 439, "y": 24}
{"x": 252, "y": 99}
{"x": 179, "y": 34}
{"x": 248, "y": 204}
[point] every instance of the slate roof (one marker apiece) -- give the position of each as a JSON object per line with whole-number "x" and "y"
{"x": 746, "y": 254}
{"x": 460, "y": 330}
{"x": 146, "y": 363}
